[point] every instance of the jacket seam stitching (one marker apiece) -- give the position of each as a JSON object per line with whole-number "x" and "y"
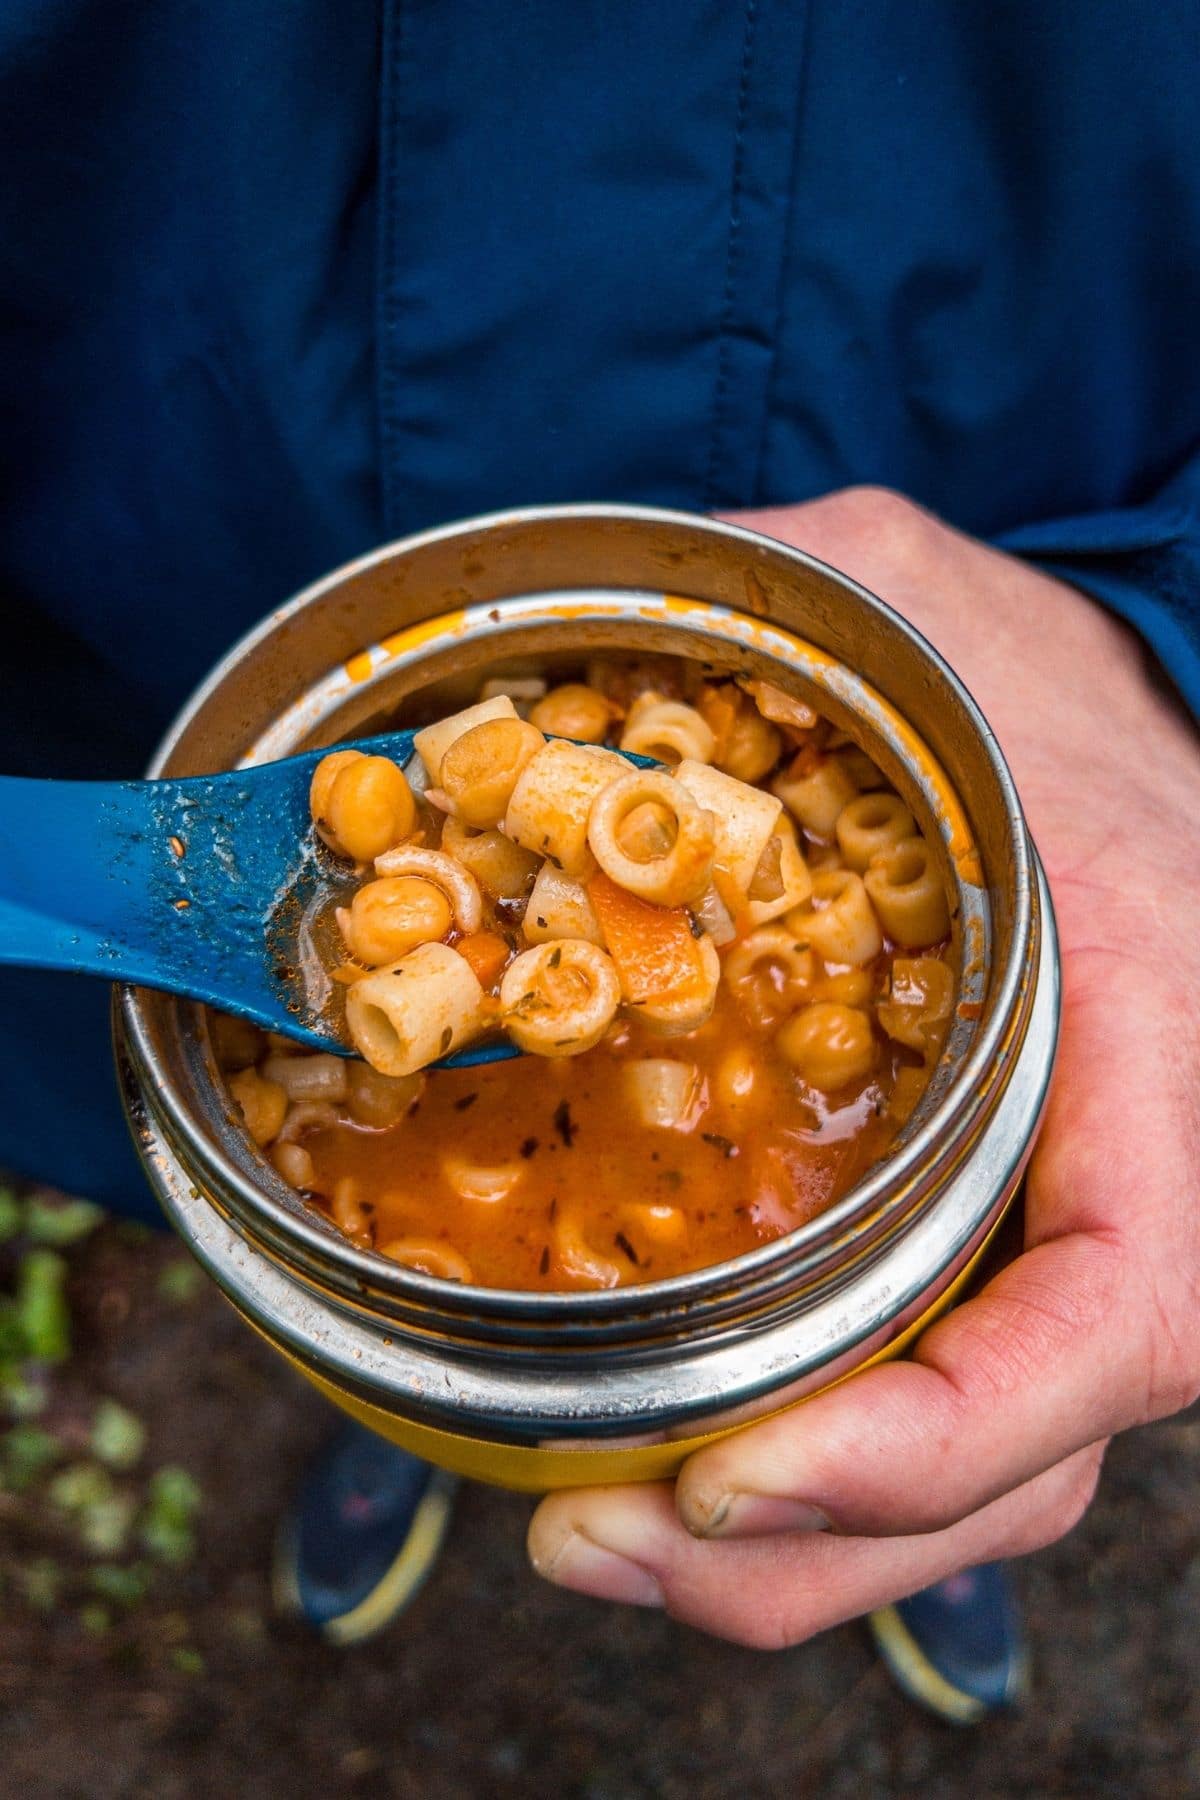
{"x": 785, "y": 262}
{"x": 391, "y": 41}
{"x": 721, "y": 385}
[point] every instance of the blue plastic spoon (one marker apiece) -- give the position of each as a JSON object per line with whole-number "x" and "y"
{"x": 199, "y": 887}
{"x": 204, "y": 887}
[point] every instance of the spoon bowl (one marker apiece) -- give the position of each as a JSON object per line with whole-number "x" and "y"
{"x": 196, "y": 887}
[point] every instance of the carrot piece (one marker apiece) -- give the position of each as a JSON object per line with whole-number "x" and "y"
{"x": 653, "y": 947}
{"x": 487, "y": 953}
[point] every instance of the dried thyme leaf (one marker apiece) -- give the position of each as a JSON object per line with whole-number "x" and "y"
{"x": 723, "y": 1144}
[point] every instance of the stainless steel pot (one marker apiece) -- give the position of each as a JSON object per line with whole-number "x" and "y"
{"x": 534, "y": 1389}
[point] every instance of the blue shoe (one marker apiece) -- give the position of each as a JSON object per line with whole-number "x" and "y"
{"x": 957, "y": 1648}
{"x": 361, "y": 1536}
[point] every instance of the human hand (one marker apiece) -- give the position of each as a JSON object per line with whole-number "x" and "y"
{"x": 988, "y": 1442}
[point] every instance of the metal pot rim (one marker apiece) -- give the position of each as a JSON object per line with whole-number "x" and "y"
{"x": 868, "y": 1200}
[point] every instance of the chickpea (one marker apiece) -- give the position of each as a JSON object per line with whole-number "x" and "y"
{"x": 369, "y": 809}
{"x": 736, "y": 1084}
{"x": 573, "y": 711}
{"x": 295, "y": 1165}
{"x": 263, "y": 1104}
{"x": 481, "y": 768}
{"x": 849, "y": 987}
{"x": 323, "y": 778}
{"x": 865, "y": 774}
{"x": 753, "y": 745}
{"x": 829, "y": 1045}
{"x": 389, "y": 917}
{"x": 377, "y": 1100}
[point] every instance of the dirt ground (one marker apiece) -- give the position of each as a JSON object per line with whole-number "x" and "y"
{"x": 169, "y": 1678}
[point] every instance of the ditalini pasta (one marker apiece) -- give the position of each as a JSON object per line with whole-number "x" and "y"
{"x": 737, "y": 968}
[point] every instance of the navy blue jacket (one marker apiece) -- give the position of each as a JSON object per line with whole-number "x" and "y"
{"x": 281, "y": 280}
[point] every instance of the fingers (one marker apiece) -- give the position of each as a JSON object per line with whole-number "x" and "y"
{"x": 998, "y": 1393}
{"x": 628, "y": 1544}
{"x": 1061, "y": 1349}
{"x": 974, "y": 604}
{"x": 1093, "y": 1329}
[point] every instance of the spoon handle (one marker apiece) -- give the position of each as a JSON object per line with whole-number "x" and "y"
{"x": 91, "y": 882}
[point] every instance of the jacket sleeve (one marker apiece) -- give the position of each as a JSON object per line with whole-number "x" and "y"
{"x": 1142, "y": 561}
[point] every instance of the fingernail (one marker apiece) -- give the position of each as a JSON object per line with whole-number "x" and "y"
{"x": 590, "y": 1569}
{"x": 762, "y": 1515}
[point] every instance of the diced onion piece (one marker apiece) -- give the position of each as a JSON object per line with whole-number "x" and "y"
{"x": 768, "y": 876}
{"x": 921, "y": 1001}
{"x": 663, "y": 1094}
{"x": 346, "y": 974}
{"x": 780, "y": 708}
{"x": 743, "y": 819}
{"x": 457, "y": 883}
{"x": 418, "y": 1010}
{"x": 432, "y": 743}
{"x": 714, "y": 915}
{"x": 794, "y": 875}
{"x": 559, "y": 908}
{"x": 559, "y": 999}
{"x": 736, "y": 1082}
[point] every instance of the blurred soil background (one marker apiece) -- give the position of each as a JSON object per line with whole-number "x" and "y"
{"x": 148, "y": 1443}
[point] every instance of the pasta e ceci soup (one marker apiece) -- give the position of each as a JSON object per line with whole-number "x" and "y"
{"x": 731, "y": 974}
